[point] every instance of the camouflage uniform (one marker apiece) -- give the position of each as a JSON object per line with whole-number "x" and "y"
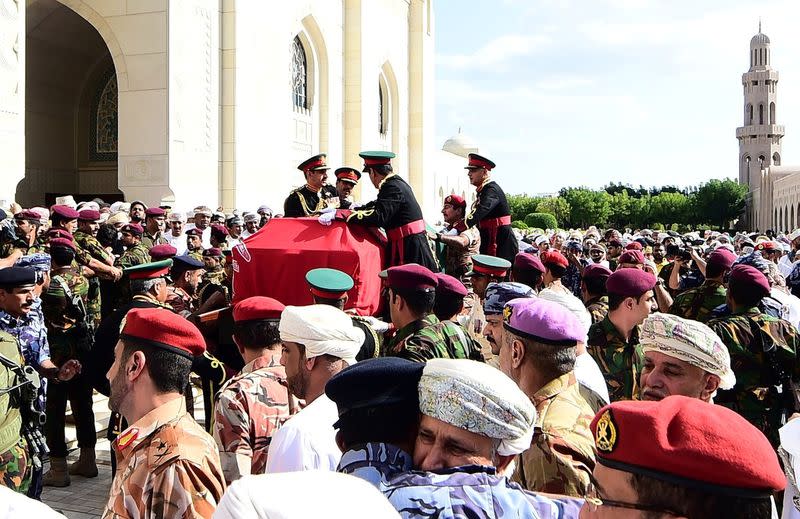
{"x": 429, "y": 338}
{"x": 7, "y": 248}
{"x": 561, "y": 457}
{"x": 754, "y": 395}
{"x": 150, "y": 240}
{"x": 136, "y": 255}
{"x": 249, "y": 409}
{"x": 376, "y": 463}
{"x": 196, "y": 254}
{"x": 598, "y": 308}
{"x": 619, "y": 360}
{"x": 167, "y": 466}
{"x": 15, "y": 471}
{"x": 699, "y": 303}
{"x": 458, "y": 261}
{"x": 181, "y": 302}
{"x": 90, "y": 244}
{"x": 471, "y": 491}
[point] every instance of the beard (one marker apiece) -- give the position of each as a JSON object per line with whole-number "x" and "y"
{"x": 297, "y": 385}
{"x": 119, "y": 390}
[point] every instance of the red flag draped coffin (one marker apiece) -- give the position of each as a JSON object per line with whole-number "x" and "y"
{"x": 273, "y": 262}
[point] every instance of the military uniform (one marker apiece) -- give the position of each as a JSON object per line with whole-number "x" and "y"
{"x": 151, "y": 240}
{"x": 249, "y": 409}
{"x": 598, "y": 308}
{"x": 167, "y": 466}
{"x": 305, "y": 202}
{"x": 136, "y": 255}
{"x": 7, "y": 248}
{"x": 491, "y": 214}
{"x": 180, "y": 301}
{"x": 618, "y": 359}
{"x": 89, "y": 243}
{"x": 15, "y": 470}
{"x": 699, "y": 303}
{"x": 458, "y": 262}
{"x": 429, "y": 338}
{"x": 561, "y": 457}
{"x": 747, "y": 334}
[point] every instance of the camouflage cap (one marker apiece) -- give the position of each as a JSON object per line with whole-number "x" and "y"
{"x": 498, "y": 294}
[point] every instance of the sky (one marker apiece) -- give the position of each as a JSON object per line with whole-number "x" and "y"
{"x": 585, "y": 92}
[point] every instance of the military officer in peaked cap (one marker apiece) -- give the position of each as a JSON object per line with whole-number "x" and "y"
{"x": 316, "y": 194}
{"x": 490, "y": 211}
{"x": 346, "y": 180}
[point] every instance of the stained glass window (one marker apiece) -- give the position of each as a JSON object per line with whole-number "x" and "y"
{"x": 299, "y": 74}
{"x": 103, "y": 126}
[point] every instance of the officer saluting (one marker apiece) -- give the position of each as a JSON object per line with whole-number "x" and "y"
{"x": 315, "y": 195}
{"x": 490, "y": 211}
{"x": 395, "y": 209}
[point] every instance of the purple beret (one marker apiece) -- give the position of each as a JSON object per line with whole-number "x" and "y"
{"x": 64, "y": 212}
{"x": 722, "y": 257}
{"x": 596, "y": 270}
{"x": 525, "y": 261}
{"x": 543, "y": 321}
{"x": 554, "y": 257}
{"x": 162, "y": 251}
{"x": 632, "y": 256}
{"x": 411, "y": 277}
{"x": 450, "y": 286}
{"x": 630, "y": 282}
{"x": 154, "y": 211}
{"x": 89, "y": 215}
{"x": 751, "y": 278}
{"x": 133, "y": 228}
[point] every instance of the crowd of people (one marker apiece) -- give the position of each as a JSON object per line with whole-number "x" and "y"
{"x": 635, "y": 373}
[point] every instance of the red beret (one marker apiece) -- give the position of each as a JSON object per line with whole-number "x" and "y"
{"x": 27, "y": 214}
{"x": 257, "y": 308}
{"x": 62, "y": 242}
{"x": 162, "y": 251}
{"x": 596, "y": 270}
{"x": 455, "y": 201}
{"x": 768, "y": 246}
{"x": 89, "y": 215}
{"x": 688, "y": 442}
{"x": 194, "y": 231}
{"x": 525, "y": 261}
{"x": 554, "y": 257}
{"x": 751, "y": 278}
{"x": 60, "y": 233}
{"x": 450, "y": 286}
{"x": 64, "y": 212}
{"x": 630, "y": 282}
{"x": 722, "y": 257}
{"x": 154, "y": 211}
{"x": 632, "y": 256}
{"x": 220, "y": 229}
{"x": 163, "y": 329}
{"x": 411, "y": 277}
{"x": 634, "y": 245}
{"x": 213, "y": 252}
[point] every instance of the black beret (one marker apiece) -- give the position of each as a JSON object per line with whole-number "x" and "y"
{"x": 12, "y": 277}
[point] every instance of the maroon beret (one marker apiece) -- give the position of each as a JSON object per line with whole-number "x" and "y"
{"x": 62, "y": 242}
{"x": 89, "y": 215}
{"x": 750, "y": 278}
{"x": 450, "y": 286}
{"x": 194, "y": 231}
{"x": 163, "y": 329}
{"x": 632, "y": 256}
{"x": 213, "y": 252}
{"x": 257, "y": 308}
{"x": 162, "y": 251}
{"x": 543, "y": 321}
{"x": 60, "y": 233}
{"x": 722, "y": 257}
{"x": 630, "y": 282}
{"x": 554, "y": 257}
{"x": 220, "y": 229}
{"x": 64, "y": 212}
{"x": 525, "y": 261}
{"x": 634, "y": 245}
{"x": 27, "y": 214}
{"x": 133, "y": 228}
{"x": 690, "y": 443}
{"x": 411, "y": 277}
{"x": 154, "y": 211}
{"x": 596, "y": 270}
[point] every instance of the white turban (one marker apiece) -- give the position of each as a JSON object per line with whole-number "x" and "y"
{"x": 478, "y": 398}
{"x": 323, "y": 330}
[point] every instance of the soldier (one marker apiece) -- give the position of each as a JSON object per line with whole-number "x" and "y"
{"x": 316, "y": 194}
{"x": 65, "y": 220}
{"x": 680, "y": 457}
{"x": 682, "y": 357}
{"x": 86, "y": 239}
{"x": 69, "y": 335}
{"x": 555, "y": 265}
{"x": 490, "y": 211}
{"x": 168, "y": 466}
{"x": 699, "y": 303}
{"x": 395, "y": 209}
{"x": 614, "y": 341}
{"x": 497, "y": 295}
{"x": 528, "y": 270}
{"x": 420, "y": 335}
{"x": 162, "y": 252}
{"x": 154, "y": 225}
{"x": 135, "y": 254}
{"x": 214, "y": 276}
{"x": 485, "y": 270}
{"x": 460, "y": 242}
{"x": 194, "y": 243}
{"x": 254, "y": 403}
{"x": 346, "y": 181}
{"x": 593, "y": 291}
{"x": 27, "y": 240}
{"x": 174, "y": 234}
{"x": 538, "y": 353}
{"x": 186, "y": 274}
{"x": 763, "y": 352}
{"x": 631, "y": 259}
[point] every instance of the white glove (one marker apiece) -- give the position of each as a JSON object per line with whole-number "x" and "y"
{"x": 328, "y": 210}
{"x": 327, "y": 217}
{"x": 376, "y": 324}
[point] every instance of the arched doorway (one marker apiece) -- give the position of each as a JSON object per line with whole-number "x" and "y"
{"x": 71, "y": 100}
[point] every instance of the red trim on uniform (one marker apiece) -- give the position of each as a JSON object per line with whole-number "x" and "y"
{"x": 396, "y": 236}
{"x": 149, "y": 274}
{"x": 127, "y": 437}
{"x": 316, "y": 164}
{"x": 475, "y": 162}
{"x": 348, "y": 175}
{"x": 324, "y": 294}
{"x": 491, "y": 225}
{"x": 376, "y": 161}
{"x": 489, "y": 271}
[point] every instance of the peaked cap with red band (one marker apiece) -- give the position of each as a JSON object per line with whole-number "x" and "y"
{"x": 376, "y": 158}
{"x": 257, "y": 308}
{"x": 161, "y": 328}
{"x": 483, "y": 264}
{"x": 349, "y": 175}
{"x": 689, "y": 443}
{"x": 315, "y": 163}
{"x": 455, "y": 201}
{"x": 477, "y": 161}
{"x": 411, "y": 277}
{"x": 329, "y": 283}
{"x": 154, "y": 270}
{"x": 554, "y": 257}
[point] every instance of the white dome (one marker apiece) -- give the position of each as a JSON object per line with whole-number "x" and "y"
{"x": 759, "y": 40}
{"x": 460, "y": 144}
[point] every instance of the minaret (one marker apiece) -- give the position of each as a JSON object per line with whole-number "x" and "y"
{"x": 759, "y": 136}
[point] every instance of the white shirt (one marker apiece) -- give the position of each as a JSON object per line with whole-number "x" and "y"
{"x": 791, "y": 306}
{"x": 14, "y": 505}
{"x": 588, "y": 374}
{"x": 785, "y": 265}
{"x": 307, "y": 441}
{"x": 179, "y": 242}
{"x": 573, "y": 304}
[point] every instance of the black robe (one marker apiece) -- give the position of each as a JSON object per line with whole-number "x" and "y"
{"x": 491, "y": 203}
{"x": 304, "y": 202}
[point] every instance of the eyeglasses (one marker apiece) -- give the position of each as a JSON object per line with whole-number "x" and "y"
{"x": 595, "y": 501}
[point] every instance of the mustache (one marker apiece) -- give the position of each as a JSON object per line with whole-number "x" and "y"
{"x": 490, "y": 340}
{"x": 655, "y": 395}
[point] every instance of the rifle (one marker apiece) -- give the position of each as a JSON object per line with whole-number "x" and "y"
{"x": 23, "y": 396}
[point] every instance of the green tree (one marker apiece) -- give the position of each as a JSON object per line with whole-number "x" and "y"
{"x": 669, "y": 208}
{"x": 556, "y": 206}
{"x": 718, "y": 202}
{"x": 620, "y": 206}
{"x": 522, "y": 205}
{"x": 541, "y": 221}
{"x": 587, "y": 207}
